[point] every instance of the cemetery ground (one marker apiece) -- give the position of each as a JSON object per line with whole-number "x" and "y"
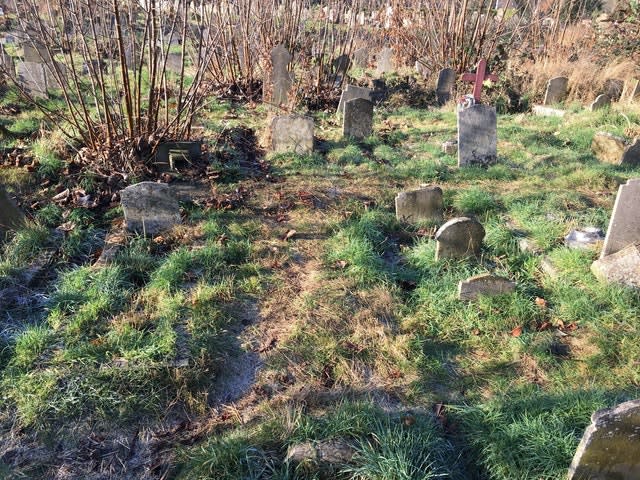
{"x": 292, "y": 312}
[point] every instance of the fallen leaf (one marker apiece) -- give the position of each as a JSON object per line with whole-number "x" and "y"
{"x": 289, "y": 234}
{"x": 516, "y": 332}
{"x": 541, "y": 302}
{"x": 341, "y": 264}
{"x": 571, "y": 327}
{"x": 476, "y": 331}
{"x": 544, "y": 326}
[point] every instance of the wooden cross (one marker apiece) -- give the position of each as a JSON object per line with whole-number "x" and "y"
{"x": 478, "y": 78}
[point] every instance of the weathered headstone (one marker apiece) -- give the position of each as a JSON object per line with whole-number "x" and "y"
{"x": 556, "y": 90}
{"x": 149, "y": 208}
{"x": 477, "y": 135}
{"x": 385, "y": 61}
{"x": 351, "y": 92}
{"x": 484, "y": 284}
{"x": 610, "y": 446}
{"x": 10, "y": 215}
{"x": 613, "y": 88}
{"x": 458, "y": 238}
{"x": 361, "y": 57}
{"x": 35, "y": 53}
{"x": 584, "y": 238}
{"x": 341, "y": 64}
{"x": 624, "y": 226}
{"x": 444, "y": 86}
{"x": 358, "y": 118}
{"x": 421, "y": 204}
{"x": 170, "y": 155}
{"x": 281, "y": 78}
{"x": 33, "y": 77}
{"x": 621, "y": 267}
{"x": 600, "y": 102}
{"x": 615, "y": 150}
{"x": 292, "y": 133}
{"x": 174, "y": 62}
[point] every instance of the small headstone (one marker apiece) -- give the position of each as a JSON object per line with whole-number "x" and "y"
{"x": 624, "y": 226}
{"x": 174, "y": 62}
{"x": 485, "y": 284}
{"x": 450, "y": 147}
{"x": 10, "y": 215}
{"x": 280, "y": 76}
{"x": 358, "y": 118}
{"x": 149, "y": 208}
{"x": 585, "y": 238}
{"x": 341, "y": 65}
{"x": 351, "y": 92}
{"x": 33, "y": 77}
{"x": 458, "y": 238}
{"x": 556, "y": 90}
{"x": 613, "y": 88}
{"x": 615, "y": 150}
{"x": 292, "y": 133}
{"x": 385, "y": 61}
{"x": 35, "y": 54}
{"x": 361, "y": 58}
{"x": 610, "y": 446}
{"x": 477, "y": 135}
{"x": 543, "y": 111}
{"x": 446, "y": 80}
{"x": 170, "y": 155}
{"x": 380, "y": 90}
{"x": 620, "y": 267}
{"x": 600, "y": 102}
{"x": 421, "y": 204}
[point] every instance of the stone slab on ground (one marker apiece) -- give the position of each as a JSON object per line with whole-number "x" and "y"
{"x": 610, "y": 446}
{"x": 621, "y": 267}
{"x": 549, "y": 268}
{"x": 477, "y": 136}
{"x": 544, "y": 111}
{"x": 585, "y": 238}
{"x": 458, "y": 238}
{"x": 420, "y": 204}
{"x": 484, "y": 284}
{"x": 149, "y": 208}
{"x": 292, "y": 133}
{"x": 624, "y": 226}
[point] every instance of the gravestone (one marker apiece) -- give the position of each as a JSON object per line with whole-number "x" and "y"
{"x": 444, "y": 86}
{"x": 351, "y": 92}
{"x": 292, "y": 133}
{"x": 281, "y": 78}
{"x": 556, "y": 90}
{"x": 385, "y": 61}
{"x": 35, "y": 53}
{"x": 174, "y": 62}
{"x": 610, "y": 446}
{"x": 621, "y": 267}
{"x": 600, "y": 102}
{"x": 380, "y": 90}
{"x": 361, "y": 57}
{"x": 420, "y": 204}
{"x": 633, "y": 90}
{"x": 358, "y": 118}
{"x": 341, "y": 65}
{"x": 458, "y": 238}
{"x": 52, "y": 76}
{"x": 615, "y": 150}
{"x": 477, "y": 135}
{"x": 10, "y": 215}
{"x": 149, "y": 208}
{"x": 33, "y": 77}
{"x": 613, "y": 88}
{"x": 484, "y": 284}
{"x": 170, "y": 155}
{"x": 585, "y": 238}
{"x": 624, "y": 226}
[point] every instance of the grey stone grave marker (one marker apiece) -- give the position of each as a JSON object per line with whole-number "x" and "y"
{"x": 424, "y": 203}
{"x": 33, "y": 77}
{"x": 444, "y": 86}
{"x": 170, "y": 155}
{"x": 600, "y": 102}
{"x": 358, "y": 118}
{"x": 35, "y": 53}
{"x": 10, "y": 215}
{"x": 385, "y": 61}
{"x": 477, "y": 135}
{"x": 341, "y": 64}
{"x": 350, "y": 92}
{"x": 149, "y": 208}
{"x": 292, "y": 133}
{"x": 281, "y": 78}
{"x": 361, "y": 57}
{"x": 624, "y": 226}
{"x": 556, "y": 90}
{"x": 174, "y": 62}
{"x": 458, "y": 238}
{"x": 484, "y": 284}
{"x": 613, "y": 88}
{"x": 610, "y": 446}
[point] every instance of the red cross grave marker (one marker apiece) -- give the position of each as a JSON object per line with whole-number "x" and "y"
{"x": 479, "y": 77}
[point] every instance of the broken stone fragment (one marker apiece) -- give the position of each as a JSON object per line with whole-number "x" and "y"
{"x": 621, "y": 267}
{"x": 324, "y": 454}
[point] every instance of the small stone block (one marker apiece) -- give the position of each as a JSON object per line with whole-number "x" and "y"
{"x": 458, "y": 238}
{"x": 543, "y": 111}
{"x": 149, "y": 208}
{"x": 620, "y": 267}
{"x": 549, "y": 268}
{"x": 421, "y": 204}
{"x": 292, "y": 133}
{"x": 485, "y": 284}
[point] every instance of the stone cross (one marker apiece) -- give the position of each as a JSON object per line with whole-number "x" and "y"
{"x": 281, "y": 78}
{"x": 478, "y": 78}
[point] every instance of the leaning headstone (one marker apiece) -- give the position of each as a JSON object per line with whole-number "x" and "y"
{"x": 485, "y": 284}
{"x": 351, "y": 92}
{"x": 477, "y": 135}
{"x": 615, "y": 150}
{"x": 421, "y": 204}
{"x": 585, "y": 238}
{"x": 610, "y": 446}
{"x": 600, "y": 102}
{"x": 446, "y": 80}
{"x": 149, "y": 208}
{"x": 556, "y": 90}
{"x": 613, "y": 88}
{"x": 10, "y": 215}
{"x": 292, "y": 133}
{"x": 172, "y": 155}
{"x": 621, "y": 267}
{"x": 358, "y": 118}
{"x": 33, "y": 77}
{"x": 624, "y": 226}
{"x": 361, "y": 57}
{"x": 385, "y": 61}
{"x": 458, "y": 238}
{"x": 281, "y": 78}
